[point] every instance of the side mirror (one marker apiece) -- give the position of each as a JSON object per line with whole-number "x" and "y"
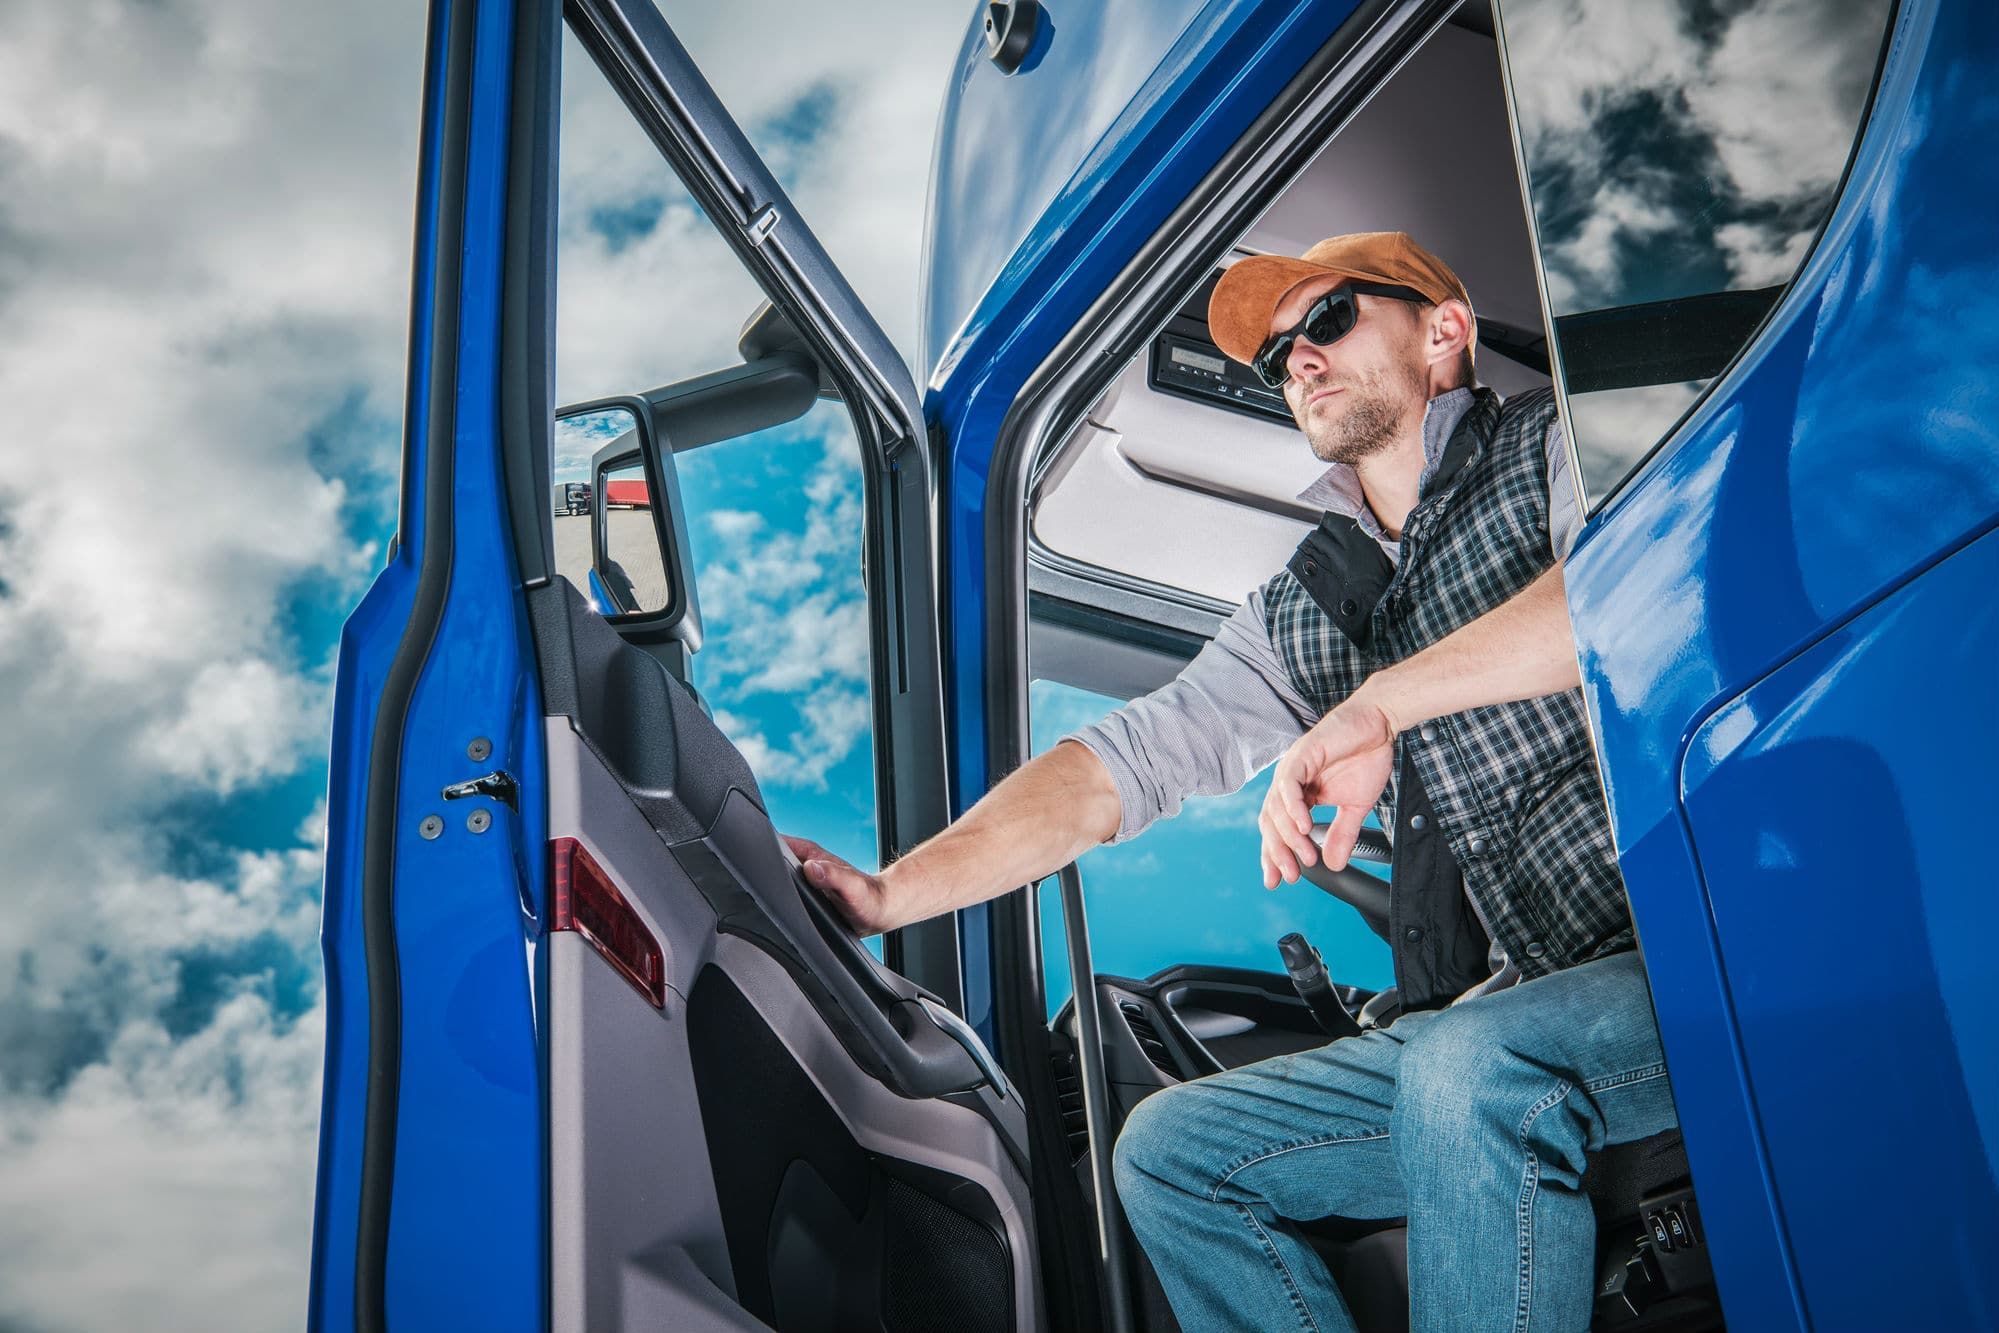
{"x": 620, "y": 528}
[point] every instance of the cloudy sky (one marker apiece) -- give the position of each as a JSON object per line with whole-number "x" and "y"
{"x": 205, "y": 215}
{"x": 1671, "y": 155}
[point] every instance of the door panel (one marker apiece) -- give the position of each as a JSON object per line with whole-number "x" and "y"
{"x": 1901, "y": 885}
{"x": 796, "y": 1135}
{"x": 786, "y": 1124}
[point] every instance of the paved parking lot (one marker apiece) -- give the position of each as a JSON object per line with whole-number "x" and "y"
{"x": 632, "y": 545}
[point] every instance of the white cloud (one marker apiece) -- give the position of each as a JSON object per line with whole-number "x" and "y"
{"x": 670, "y": 304}
{"x": 239, "y": 722}
{"x": 796, "y": 623}
{"x": 204, "y": 250}
{"x": 1783, "y": 126}
{"x": 1586, "y": 269}
{"x": 1614, "y": 428}
{"x": 835, "y": 717}
{"x": 170, "y": 1187}
{"x": 1778, "y": 129}
{"x": 1762, "y": 256}
{"x": 733, "y": 525}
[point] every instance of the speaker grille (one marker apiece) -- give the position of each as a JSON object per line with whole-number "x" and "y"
{"x": 943, "y": 1270}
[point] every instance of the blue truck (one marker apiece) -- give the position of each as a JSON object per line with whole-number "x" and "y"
{"x": 595, "y": 1056}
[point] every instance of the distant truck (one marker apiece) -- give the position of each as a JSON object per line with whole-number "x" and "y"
{"x": 573, "y": 498}
{"x": 626, "y": 494}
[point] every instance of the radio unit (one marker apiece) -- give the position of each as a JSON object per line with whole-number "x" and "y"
{"x": 1185, "y": 363}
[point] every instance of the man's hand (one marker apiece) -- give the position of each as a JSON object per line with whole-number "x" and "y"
{"x": 1046, "y": 813}
{"x": 1521, "y": 649}
{"x": 860, "y": 898}
{"x": 1343, "y": 760}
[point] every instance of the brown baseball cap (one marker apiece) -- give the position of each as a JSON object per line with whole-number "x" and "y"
{"x": 1251, "y": 289}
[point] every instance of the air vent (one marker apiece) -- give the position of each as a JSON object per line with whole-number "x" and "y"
{"x": 1148, "y": 1037}
{"x": 1069, "y": 1095}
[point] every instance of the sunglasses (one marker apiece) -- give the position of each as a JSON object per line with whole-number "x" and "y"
{"x": 1330, "y": 319}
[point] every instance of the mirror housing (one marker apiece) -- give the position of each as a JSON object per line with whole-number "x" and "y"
{"x": 645, "y": 614}
{"x": 729, "y": 404}
{"x": 767, "y": 333}
{"x": 777, "y": 383}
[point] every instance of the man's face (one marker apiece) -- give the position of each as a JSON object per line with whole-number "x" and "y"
{"x": 1352, "y": 398}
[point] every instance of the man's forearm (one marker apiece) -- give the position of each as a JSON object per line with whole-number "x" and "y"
{"x": 1045, "y": 814}
{"x": 1521, "y": 649}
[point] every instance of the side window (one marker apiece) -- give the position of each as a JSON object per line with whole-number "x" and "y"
{"x": 775, "y": 522}
{"x": 648, "y": 297}
{"x": 1680, "y": 159}
{"x": 1189, "y": 890}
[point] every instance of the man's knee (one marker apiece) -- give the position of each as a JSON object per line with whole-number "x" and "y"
{"x": 1151, "y": 1150}
{"x": 1442, "y": 1066}
{"x": 1139, "y": 1156}
{"x": 1463, "y": 1082}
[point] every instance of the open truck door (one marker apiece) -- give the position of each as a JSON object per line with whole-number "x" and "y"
{"x": 596, "y": 1057}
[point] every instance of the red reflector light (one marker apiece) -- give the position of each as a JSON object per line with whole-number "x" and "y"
{"x": 588, "y": 903}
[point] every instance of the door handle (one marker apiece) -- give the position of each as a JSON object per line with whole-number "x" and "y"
{"x": 961, "y": 1032}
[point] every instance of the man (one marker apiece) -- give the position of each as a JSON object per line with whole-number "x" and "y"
{"x": 1414, "y": 657}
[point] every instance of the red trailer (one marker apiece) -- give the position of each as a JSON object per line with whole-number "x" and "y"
{"x": 626, "y": 494}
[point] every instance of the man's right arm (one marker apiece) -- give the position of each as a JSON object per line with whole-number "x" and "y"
{"x": 1047, "y": 812}
{"x": 1208, "y": 731}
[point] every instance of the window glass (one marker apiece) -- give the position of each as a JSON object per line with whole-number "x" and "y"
{"x": 1681, "y": 157}
{"x": 774, "y": 520}
{"x": 1189, "y": 889}
{"x": 649, "y": 295}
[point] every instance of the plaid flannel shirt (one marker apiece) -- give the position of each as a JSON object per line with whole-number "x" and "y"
{"x": 1514, "y": 787}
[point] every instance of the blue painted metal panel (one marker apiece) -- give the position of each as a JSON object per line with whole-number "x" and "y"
{"x": 1007, "y": 144}
{"x": 1861, "y": 961}
{"x": 1223, "y": 72}
{"x": 466, "y": 1243}
{"x": 367, "y": 646}
{"x": 1854, "y": 446}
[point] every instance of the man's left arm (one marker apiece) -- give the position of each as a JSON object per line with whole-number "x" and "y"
{"x": 1521, "y": 649}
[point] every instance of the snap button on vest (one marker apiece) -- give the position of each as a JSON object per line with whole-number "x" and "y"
{"x": 1349, "y": 607}
{"x": 1417, "y": 821}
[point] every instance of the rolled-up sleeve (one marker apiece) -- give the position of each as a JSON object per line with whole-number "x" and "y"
{"x": 1565, "y": 515}
{"x": 1227, "y": 715}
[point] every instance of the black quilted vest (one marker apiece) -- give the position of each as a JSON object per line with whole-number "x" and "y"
{"x": 1503, "y": 804}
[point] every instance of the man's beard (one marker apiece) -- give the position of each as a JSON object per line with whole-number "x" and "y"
{"x": 1373, "y": 417}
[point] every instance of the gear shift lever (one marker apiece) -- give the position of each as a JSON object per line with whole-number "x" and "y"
{"x": 1308, "y": 977}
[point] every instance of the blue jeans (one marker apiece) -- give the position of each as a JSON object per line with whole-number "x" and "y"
{"x": 1470, "y": 1121}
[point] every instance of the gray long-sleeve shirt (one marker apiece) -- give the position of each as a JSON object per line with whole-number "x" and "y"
{"x": 1232, "y": 711}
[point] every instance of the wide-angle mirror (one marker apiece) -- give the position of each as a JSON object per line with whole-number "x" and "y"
{"x": 608, "y": 531}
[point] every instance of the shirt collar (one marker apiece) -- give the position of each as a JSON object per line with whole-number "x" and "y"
{"x": 1338, "y": 491}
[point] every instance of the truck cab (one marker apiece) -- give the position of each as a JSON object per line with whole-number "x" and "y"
{"x": 597, "y": 1057}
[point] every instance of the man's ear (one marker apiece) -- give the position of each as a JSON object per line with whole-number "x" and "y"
{"x": 1449, "y": 333}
